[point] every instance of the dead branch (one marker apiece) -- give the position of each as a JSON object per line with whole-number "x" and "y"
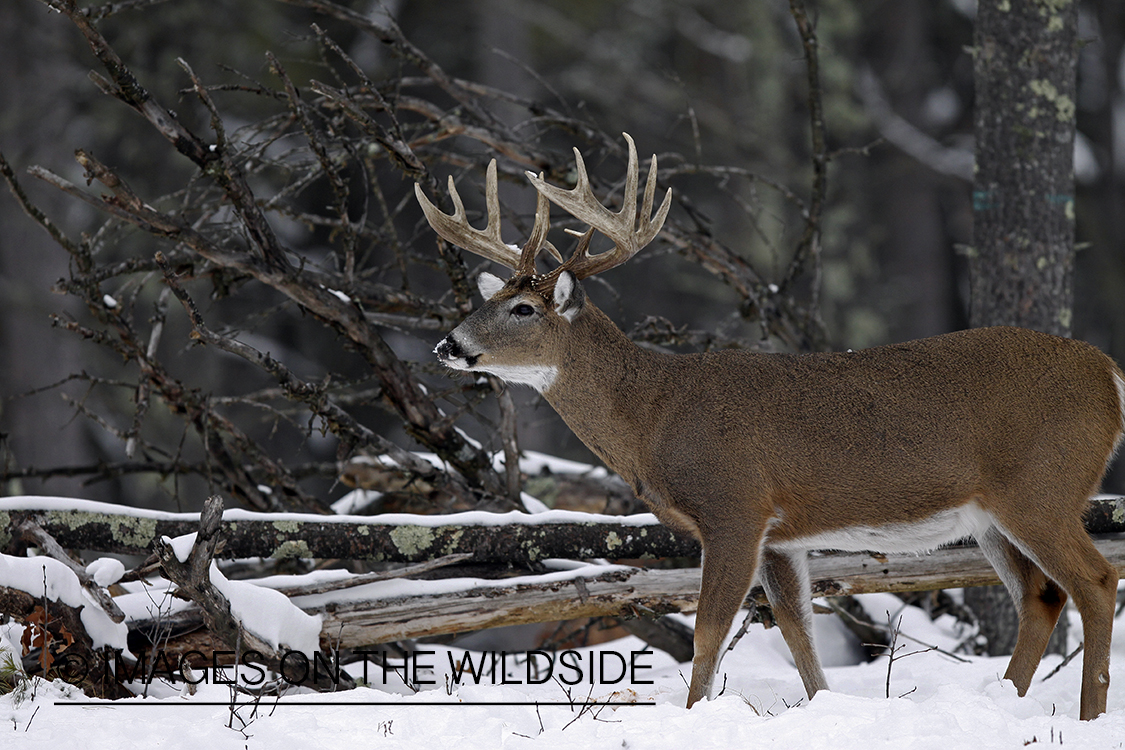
{"x": 55, "y": 636}
{"x": 193, "y": 579}
{"x": 33, "y": 534}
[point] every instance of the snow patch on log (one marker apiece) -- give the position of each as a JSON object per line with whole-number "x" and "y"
{"x": 54, "y": 581}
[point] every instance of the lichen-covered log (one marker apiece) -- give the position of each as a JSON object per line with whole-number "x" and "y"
{"x": 1106, "y": 515}
{"x": 506, "y": 538}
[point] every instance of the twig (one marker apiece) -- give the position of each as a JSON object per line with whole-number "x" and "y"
{"x": 808, "y": 247}
{"x": 1067, "y": 660}
{"x": 33, "y": 533}
{"x": 313, "y": 396}
{"x": 893, "y": 631}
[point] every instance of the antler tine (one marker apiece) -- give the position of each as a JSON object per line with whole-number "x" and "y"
{"x": 455, "y": 227}
{"x": 628, "y": 232}
{"x": 537, "y": 240}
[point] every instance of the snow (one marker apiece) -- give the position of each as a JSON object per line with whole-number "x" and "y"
{"x": 45, "y": 577}
{"x": 270, "y": 615}
{"x": 467, "y": 518}
{"x": 266, "y": 613}
{"x": 106, "y": 571}
{"x": 937, "y": 703}
{"x": 399, "y": 587}
{"x": 182, "y": 545}
{"x": 936, "y": 700}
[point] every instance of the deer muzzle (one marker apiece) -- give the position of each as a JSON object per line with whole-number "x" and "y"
{"x": 451, "y": 353}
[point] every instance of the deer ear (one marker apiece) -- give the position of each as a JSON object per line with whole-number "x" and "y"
{"x": 489, "y": 285}
{"x": 569, "y": 296}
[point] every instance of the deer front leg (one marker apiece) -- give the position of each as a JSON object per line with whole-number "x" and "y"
{"x": 785, "y": 577}
{"x": 729, "y": 561}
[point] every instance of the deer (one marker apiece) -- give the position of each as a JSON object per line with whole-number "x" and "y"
{"x": 998, "y": 434}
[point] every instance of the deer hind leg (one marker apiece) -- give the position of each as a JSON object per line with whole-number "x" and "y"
{"x": 1068, "y": 557}
{"x": 785, "y": 577}
{"x": 728, "y": 568}
{"x": 1038, "y": 600}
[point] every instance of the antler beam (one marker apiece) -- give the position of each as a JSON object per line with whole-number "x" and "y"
{"x": 628, "y": 233}
{"x": 455, "y": 227}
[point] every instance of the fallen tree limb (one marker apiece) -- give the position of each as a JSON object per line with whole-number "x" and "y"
{"x": 435, "y": 607}
{"x": 34, "y": 535}
{"x": 193, "y": 579}
{"x": 59, "y": 644}
{"x": 512, "y": 538}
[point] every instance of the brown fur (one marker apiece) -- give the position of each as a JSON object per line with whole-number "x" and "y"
{"x": 754, "y": 452}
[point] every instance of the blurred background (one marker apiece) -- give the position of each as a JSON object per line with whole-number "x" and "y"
{"x": 711, "y": 82}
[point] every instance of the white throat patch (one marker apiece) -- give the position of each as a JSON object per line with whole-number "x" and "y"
{"x": 541, "y": 378}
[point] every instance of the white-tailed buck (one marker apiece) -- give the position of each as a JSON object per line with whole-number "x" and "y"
{"x": 1001, "y": 434}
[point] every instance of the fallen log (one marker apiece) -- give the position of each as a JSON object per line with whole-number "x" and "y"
{"x": 385, "y": 611}
{"x": 511, "y": 538}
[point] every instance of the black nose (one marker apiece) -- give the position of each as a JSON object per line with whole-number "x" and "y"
{"x": 448, "y": 349}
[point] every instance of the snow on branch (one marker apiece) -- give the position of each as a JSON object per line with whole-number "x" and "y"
{"x": 244, "y": 616}
{"x": 395, "y": 610}
{"x": 510, "y": 538}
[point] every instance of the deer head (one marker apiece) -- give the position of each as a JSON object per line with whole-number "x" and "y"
{"x": 518, "y": 333}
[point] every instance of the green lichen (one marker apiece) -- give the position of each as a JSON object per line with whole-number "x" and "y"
{"x": 134, "y": 532}
{"x": 454, "y": 541}
{"x": 412, "y": 540}
{"x": 5, "y": 522}
{"x": 1052, "y": 11}
{"x": 612, "y": 540}
{"x": 1065, "y": 317}
{"x": 287, "y": 527}
{"x": 362, "y": 530}
{"x": 1064, "y": 105}
{"x": 129, "y": 531}
{"x": 292, "y": 548}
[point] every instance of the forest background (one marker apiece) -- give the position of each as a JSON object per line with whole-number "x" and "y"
{"x": 719, "y": 90}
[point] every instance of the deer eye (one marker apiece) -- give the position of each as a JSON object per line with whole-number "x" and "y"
{"x": 523, "y": 310}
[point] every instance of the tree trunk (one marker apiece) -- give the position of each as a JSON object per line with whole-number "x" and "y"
{"x": 1023, "y": 195}
{"x": 1022, "y": 261}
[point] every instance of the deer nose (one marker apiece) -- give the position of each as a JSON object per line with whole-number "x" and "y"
{"x": 449, "y": 349}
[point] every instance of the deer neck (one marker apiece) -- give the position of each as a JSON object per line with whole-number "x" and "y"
{"x": 607, "y": 390}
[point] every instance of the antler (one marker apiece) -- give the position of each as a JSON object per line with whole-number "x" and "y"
{"x": 628, "y": 234}
{"x": 455, "y": 227}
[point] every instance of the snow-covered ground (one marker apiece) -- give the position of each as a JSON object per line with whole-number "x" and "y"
{"x": 937, "y": 702}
